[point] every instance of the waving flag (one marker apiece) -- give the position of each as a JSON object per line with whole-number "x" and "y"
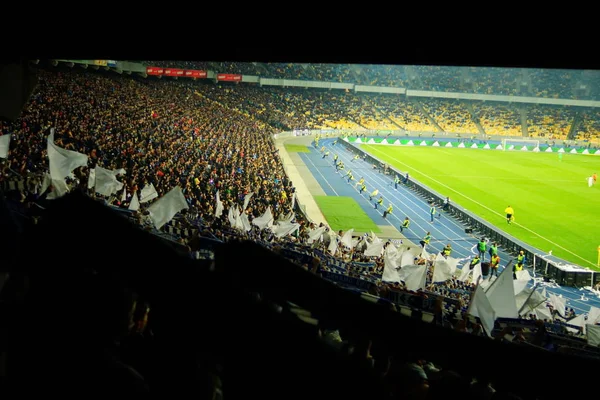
{"x": 134, "y": 205}
{"x": 165, "y": 208}
{"x": 219, "y": 206}
{"x": 62, "y": 161}
{"x": 148, "y": 193}
{"x": 265, "y": 220}
{"x": 246, "y": 201}
{"x": 4, "y": 145}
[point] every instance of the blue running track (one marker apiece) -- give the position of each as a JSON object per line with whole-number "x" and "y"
{"x": 406, "y": 203}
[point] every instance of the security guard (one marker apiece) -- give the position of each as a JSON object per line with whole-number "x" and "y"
{"x": 405, "y": 224}
{"x": 389, "y": 209}
{"x": 426, "y": 239}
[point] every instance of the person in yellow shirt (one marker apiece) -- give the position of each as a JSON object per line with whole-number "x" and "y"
{"x": 510, "y": 214}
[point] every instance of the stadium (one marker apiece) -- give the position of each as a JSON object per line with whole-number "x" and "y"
{"x": 384, "y": 219}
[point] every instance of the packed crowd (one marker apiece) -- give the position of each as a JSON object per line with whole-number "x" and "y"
{"x": 564, "y": 84}
{"x": 207, "y": 139}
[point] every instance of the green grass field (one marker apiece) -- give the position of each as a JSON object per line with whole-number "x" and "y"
{"x": 554, "y": 207}
{"x": 296, "y": 148}
{"x": 345, "y": 213}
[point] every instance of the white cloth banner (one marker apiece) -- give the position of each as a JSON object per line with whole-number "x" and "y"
{"x": 165, "y": 208}
{"x": 316, "y": 234}
{"x": 332, "y": 245}
{"x": 413, "y": 276}
{"x": 245, "y": 222}
{"x": 465, "y": 271}
{"x": 106, "y": 182}
{"x": 408, "y": 256}
{"x": 594, "y": 315}
{"x": 558, "y": 303}
{"x": 347, "y": 239}
{"x": 443, "y": 268}
{"x": 92, "y": 178}
{"x": 4, "y": 145}
{"x": 219, "y": 206}
{"x": 124, "y": 195}
{"x": 390, "y": 273}
{"x": 542, "y": 312}
{"x": 46, "y": 182}
{"x": 231, "y": 216}
{"x": 293, "y": 200}
{"x": 62, "y": 161}
{"x": 148, "y": 193}
{"x": 246, "y": 201}
{"x": 285, "y": 228}
{"x": 59, "y": 189}
{"x": 502, "y": 295}
{"x": 134, "y": 205}
{"x": 481, "y": 307}
{"x": 374, "y": 249}
{"x": 593, "y": 334}
{"x": 265, "y": 220}
{"x": 577, "y": 321}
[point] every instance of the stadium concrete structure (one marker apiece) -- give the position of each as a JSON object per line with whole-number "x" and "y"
{"x": 312, "y": 175}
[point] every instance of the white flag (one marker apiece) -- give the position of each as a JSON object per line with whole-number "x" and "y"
{"x": 390, "y": 273}
{"x": 106, "y": 182}
{"x": 347, "y": 239}
{"x": 593, "y": 334}
{"x": 134, "y": 205}
{"x": 408, "y": 256}
{"x": 374, "y": 249}
{"x": 465, "y": 271}
{"x": 284, "y": 228}
{"x": 413, "y": 276}
{"x": 4, "y": 145}
{"x": 246, "y": 201}
{"x": 481, "y": 307}
{"x": 62, "y": 161}
{"x": 558, "y": 303}
{"x": 543, "y": 312}
{"x": 594, "y": 315}
{"x": 231, "y": 216}
{"x": 293, "y": 200}
{"x": 245, "y": 222}
{"x": 59, "y": 189}
{"x": 219, "y": 206}
{"x": 333, "y": 245}
{"x": 124, "y": 195}
{"x": 165, "y": 208}
{"x": 316, "y": 234}
{"x": 265, "y": 220}
{"x": 577, "y": 321}
{"x": 502, "y": 295}
{"x": 46, "y": 182}
{"x": 148, "y": 193}
{"x": 443, "y": 268}
{"x": 92, "y": 178}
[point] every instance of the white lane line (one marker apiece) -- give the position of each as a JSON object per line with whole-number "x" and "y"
{"x": 483, "y": 206}
{"x": 390, "y": 193}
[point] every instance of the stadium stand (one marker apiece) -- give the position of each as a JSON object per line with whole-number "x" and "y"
{"x": 187, "y": 308}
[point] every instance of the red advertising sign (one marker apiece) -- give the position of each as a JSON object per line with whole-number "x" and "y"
{"x": 174, "y": 72}
{"x": 192, "y": 73}
{"x": 229, "y": 77}
{"x": 154, "y": 71}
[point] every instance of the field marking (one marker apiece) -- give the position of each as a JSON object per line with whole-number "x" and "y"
{"x": 514, "y": 179}
{"x": 404, "y": 199}
{"x": 487, "y": 208}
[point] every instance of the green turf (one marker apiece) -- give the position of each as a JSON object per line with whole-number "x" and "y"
{"x": 344, "y": 213}
{"x": 296, "y": 148}
{"x": 554, "y": 207}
